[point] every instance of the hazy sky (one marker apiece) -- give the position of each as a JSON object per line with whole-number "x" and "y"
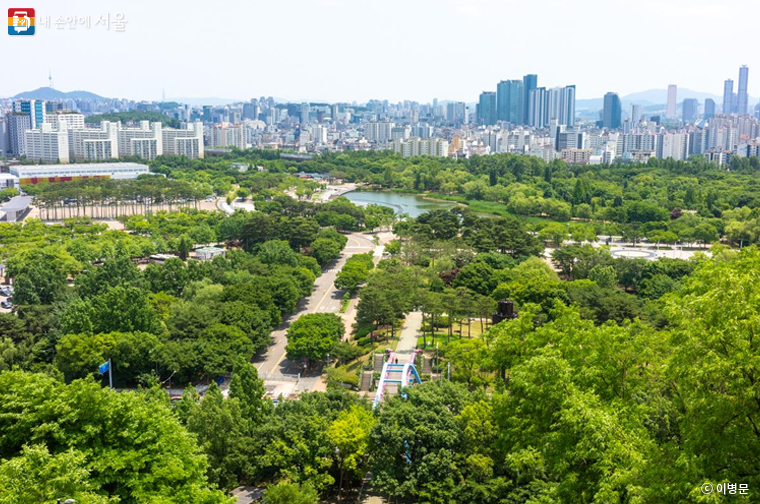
{"x": 345, "y": 50}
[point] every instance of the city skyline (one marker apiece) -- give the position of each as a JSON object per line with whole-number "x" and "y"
{"x": 333, "y": 49}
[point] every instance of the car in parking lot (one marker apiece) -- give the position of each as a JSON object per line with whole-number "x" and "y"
{"x": 7, "y": 305}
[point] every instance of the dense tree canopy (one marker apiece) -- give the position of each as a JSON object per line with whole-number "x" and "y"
{"x": 619, "y": 381}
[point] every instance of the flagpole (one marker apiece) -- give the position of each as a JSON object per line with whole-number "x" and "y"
{"x": 110, "y": 374}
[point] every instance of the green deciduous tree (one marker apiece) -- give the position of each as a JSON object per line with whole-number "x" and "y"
{"x": 349, "y": 433}
{"x": 37, "y": 476}
{"x": 290, "y": 493}
{"x": 312, "y": 336}
{"x": 133, "y": 446}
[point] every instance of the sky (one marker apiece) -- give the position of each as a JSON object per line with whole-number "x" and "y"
{"x": 356, "y": 50}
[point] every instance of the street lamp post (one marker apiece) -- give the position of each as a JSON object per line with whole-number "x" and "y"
{"x": 340, "y": 491}
{"x": 437, "y": 366}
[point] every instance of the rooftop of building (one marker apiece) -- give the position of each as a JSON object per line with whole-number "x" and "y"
{"x": 17, "y": 204}
{"x": 80, "y": 166}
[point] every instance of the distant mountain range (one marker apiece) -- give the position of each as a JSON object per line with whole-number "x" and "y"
{"x": 48, "y": 93}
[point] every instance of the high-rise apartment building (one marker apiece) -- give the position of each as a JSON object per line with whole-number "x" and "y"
{"x": 95, "y": 144}
{"x": 318, "y": 134}
{"x": 72, "y": 120}
{"x": 401, "y": 132}
{"x": 537, "y": 108}
{"x": 186, "y": 142}
{"x": 635, "y": 113}
{"x": 226, "y": 135}
{"x": 567, "y": 106}
{"x": 728, "y": 96}
{"x": 613, "y": 111}
{"x": 378, "y": 131}
{"x": 560, "y": 106}
{"x": 305, "y": 111}
{"x": 17, "y": 124}
{"x": 145, "y": 141}
{"x": 409, "y": 147}
{"x": 672, "y": 100}
{"x": 673, "y": 146}
{"x": 48, "y": 144}
{"x": 742, "y": 97}
{"x": 3, "y": 136}
{"x": 35, "y": 109}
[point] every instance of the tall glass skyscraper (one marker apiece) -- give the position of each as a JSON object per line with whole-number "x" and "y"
{"x": 509, "y": 97}
{"x": 487, "y": 108}
{"x": 690, "y": 110}
{"x": 613, "y": 111}
{"x": 709, "y": 108}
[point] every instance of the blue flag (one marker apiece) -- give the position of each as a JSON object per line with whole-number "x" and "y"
{"x": 103, "y": 368}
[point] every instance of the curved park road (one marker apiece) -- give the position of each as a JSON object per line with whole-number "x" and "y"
{"x": 325, "y": 298}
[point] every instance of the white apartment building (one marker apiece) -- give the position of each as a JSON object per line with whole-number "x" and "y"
{"x": 145, "y": 141}
{"x": 674, "y": 146}
{"x": 227, "y": 135}
{"x": 3, "y": 136}
{"x": 400, "y": 132}
{"x": 421, "y": 147}
{"x": 493, "y": 140}
{"x": 94, "y": 144}
{"x": 318, "y": 134}
{"x": 186, "y": 142}
{"x": 750, "y": 149}
{"x": 72, "y": 120}
{"x": 378, "y": 131}
{"x": 722, "y": 138}
{"x": 577, "y": 156}
{"x": 48, "y": 144}
{"x": 639, "y": 142}
{"x": 516, "y": 141}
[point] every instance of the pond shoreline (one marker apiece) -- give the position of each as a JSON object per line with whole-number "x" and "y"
{"x": 413, "y": 204}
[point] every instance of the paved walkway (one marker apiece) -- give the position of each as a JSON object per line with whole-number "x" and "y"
{"x": 410, "y": 331}
{"x": 325, "y": 298}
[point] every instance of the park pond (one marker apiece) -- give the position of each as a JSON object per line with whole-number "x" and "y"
{"x": 413, "y": 205}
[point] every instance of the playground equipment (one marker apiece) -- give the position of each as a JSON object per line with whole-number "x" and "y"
{"x": 398, "y": 375}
